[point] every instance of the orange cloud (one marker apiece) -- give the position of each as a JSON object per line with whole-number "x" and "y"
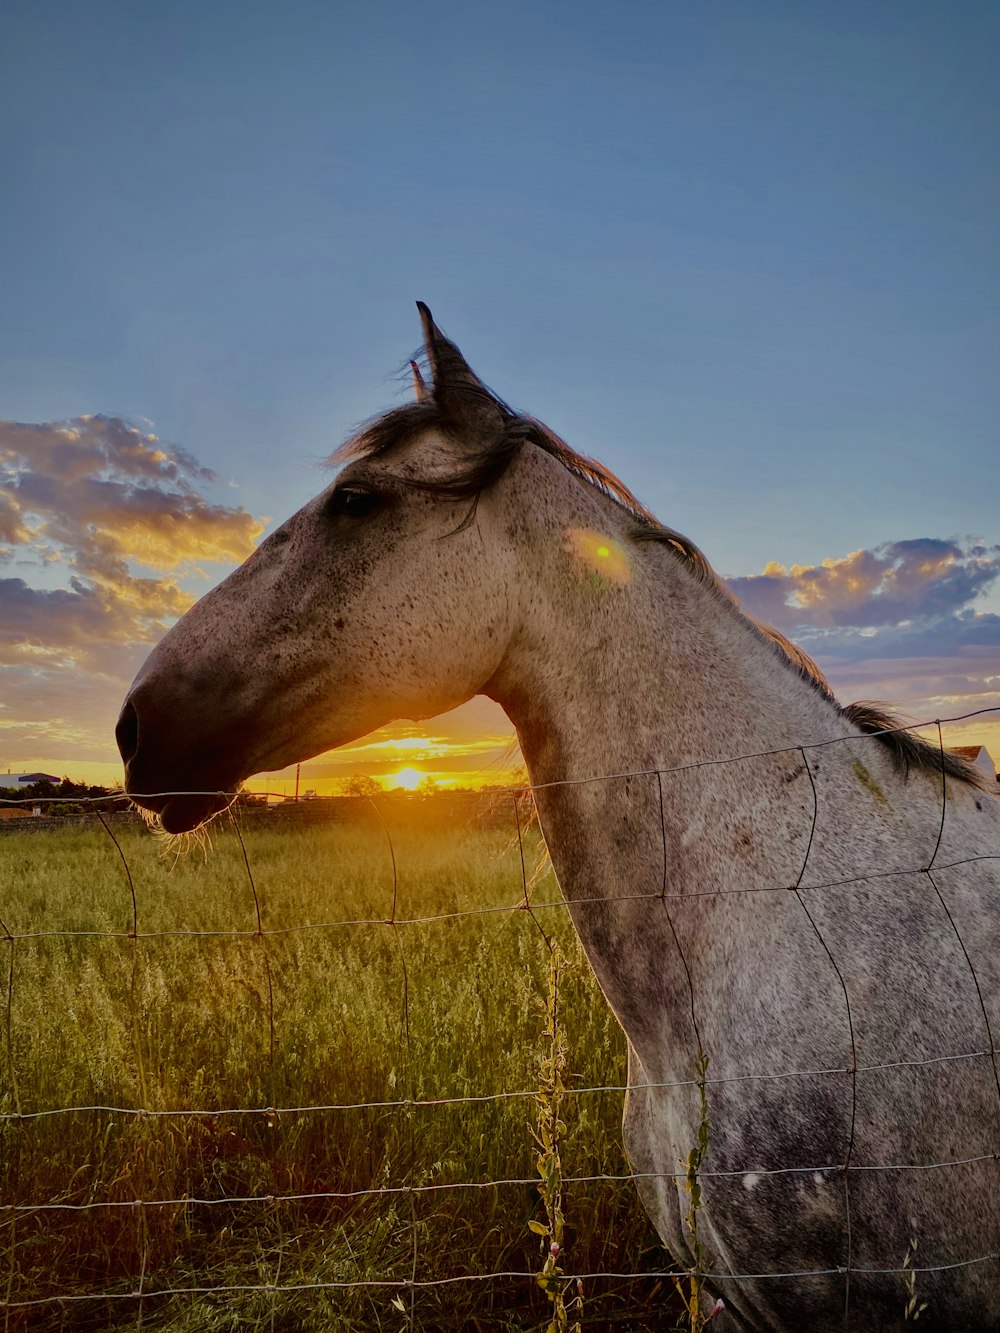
{"x": 897, "y": 622}
{"x": 922, "y": 578}
{"x": 122, "y": 518}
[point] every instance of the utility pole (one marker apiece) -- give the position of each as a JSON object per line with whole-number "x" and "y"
{"x": 297, "y": 768}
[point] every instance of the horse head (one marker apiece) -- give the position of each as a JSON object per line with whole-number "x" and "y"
{"x": 390, "y": 595}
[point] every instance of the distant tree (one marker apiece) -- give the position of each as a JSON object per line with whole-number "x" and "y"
{"x": 428, "y": 786}
{"x": 68, "y": 797}
{"x": 359, "y": 784}
{"x": 250, "y": 800}
{"x": 38, "y": 791}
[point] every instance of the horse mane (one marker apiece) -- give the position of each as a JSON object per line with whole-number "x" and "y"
{"x": 485, "y": 465}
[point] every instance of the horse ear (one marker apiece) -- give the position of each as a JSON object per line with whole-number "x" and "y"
{"x": 455, "y": 387}
{"x": 419, "y": 387}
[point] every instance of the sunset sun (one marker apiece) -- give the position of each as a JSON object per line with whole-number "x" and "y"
{"x": 410, "y": 778}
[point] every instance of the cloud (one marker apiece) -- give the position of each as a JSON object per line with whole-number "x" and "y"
{"x": 87, "y": 445}
{"x": 118, "y": 521}
{"x": 105, "y": 533}
{"x": 109, "y": 494}
{"x": 896, "y": 622}
{"x": 60, "y": 713}
{"x": 924, "y": 578}
{"x": 123, "y": 514}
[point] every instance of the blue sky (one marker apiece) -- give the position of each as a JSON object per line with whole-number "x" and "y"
{"x": 747, "y": 254}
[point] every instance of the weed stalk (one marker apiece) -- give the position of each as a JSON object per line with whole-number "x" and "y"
{"x": 914, "y": 1308}
{"x": 549, "y": 1133}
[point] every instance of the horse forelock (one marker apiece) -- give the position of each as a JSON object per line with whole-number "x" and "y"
{"x": 487, "y": 461}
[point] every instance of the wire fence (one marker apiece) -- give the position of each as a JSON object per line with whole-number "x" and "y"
{"x": 20, "y": 1117}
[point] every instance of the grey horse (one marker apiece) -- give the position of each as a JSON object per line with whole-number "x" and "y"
{"x": 802, "y": 940}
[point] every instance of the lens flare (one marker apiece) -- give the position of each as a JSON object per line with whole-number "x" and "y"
{"x": 601, "y": 554}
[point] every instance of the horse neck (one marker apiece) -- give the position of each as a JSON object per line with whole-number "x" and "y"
{"x": 643, "y": 677}
{"x": 655, "y": 672}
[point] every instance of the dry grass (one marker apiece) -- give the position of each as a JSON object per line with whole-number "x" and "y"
{"x": 310, "y": 1017}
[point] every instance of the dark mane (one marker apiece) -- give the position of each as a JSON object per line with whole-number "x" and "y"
{"x": 486, "y": 464}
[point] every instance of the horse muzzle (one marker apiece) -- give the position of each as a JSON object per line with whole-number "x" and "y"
{"x": 179, "y": 783}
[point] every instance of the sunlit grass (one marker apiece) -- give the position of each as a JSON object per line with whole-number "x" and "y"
{"x": 333, "y": 1014}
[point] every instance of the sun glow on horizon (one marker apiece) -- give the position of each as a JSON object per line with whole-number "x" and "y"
{"x": 408, "y": 778}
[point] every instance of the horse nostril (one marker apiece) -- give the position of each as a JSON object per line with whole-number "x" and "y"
{"x": 127, "y": 732}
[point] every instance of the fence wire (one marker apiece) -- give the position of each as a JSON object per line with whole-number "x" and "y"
{"x": 845, "y": 1167}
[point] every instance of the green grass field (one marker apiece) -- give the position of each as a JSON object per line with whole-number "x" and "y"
{"x": 300, "y": 1017}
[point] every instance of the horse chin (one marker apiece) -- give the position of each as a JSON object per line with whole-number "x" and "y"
{"x": 181, "y": 813}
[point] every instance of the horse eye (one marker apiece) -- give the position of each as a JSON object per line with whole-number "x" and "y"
{"x": 353, "y": 502}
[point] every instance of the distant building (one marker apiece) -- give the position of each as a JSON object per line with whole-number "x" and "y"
{"x": 979, "y": 756}
{"x": 18, "y": 781}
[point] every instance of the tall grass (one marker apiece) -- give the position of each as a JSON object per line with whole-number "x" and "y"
{"x": 336, "y": 1014}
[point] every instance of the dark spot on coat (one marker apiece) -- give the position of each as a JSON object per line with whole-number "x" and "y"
{"x": 339, "y": 623}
